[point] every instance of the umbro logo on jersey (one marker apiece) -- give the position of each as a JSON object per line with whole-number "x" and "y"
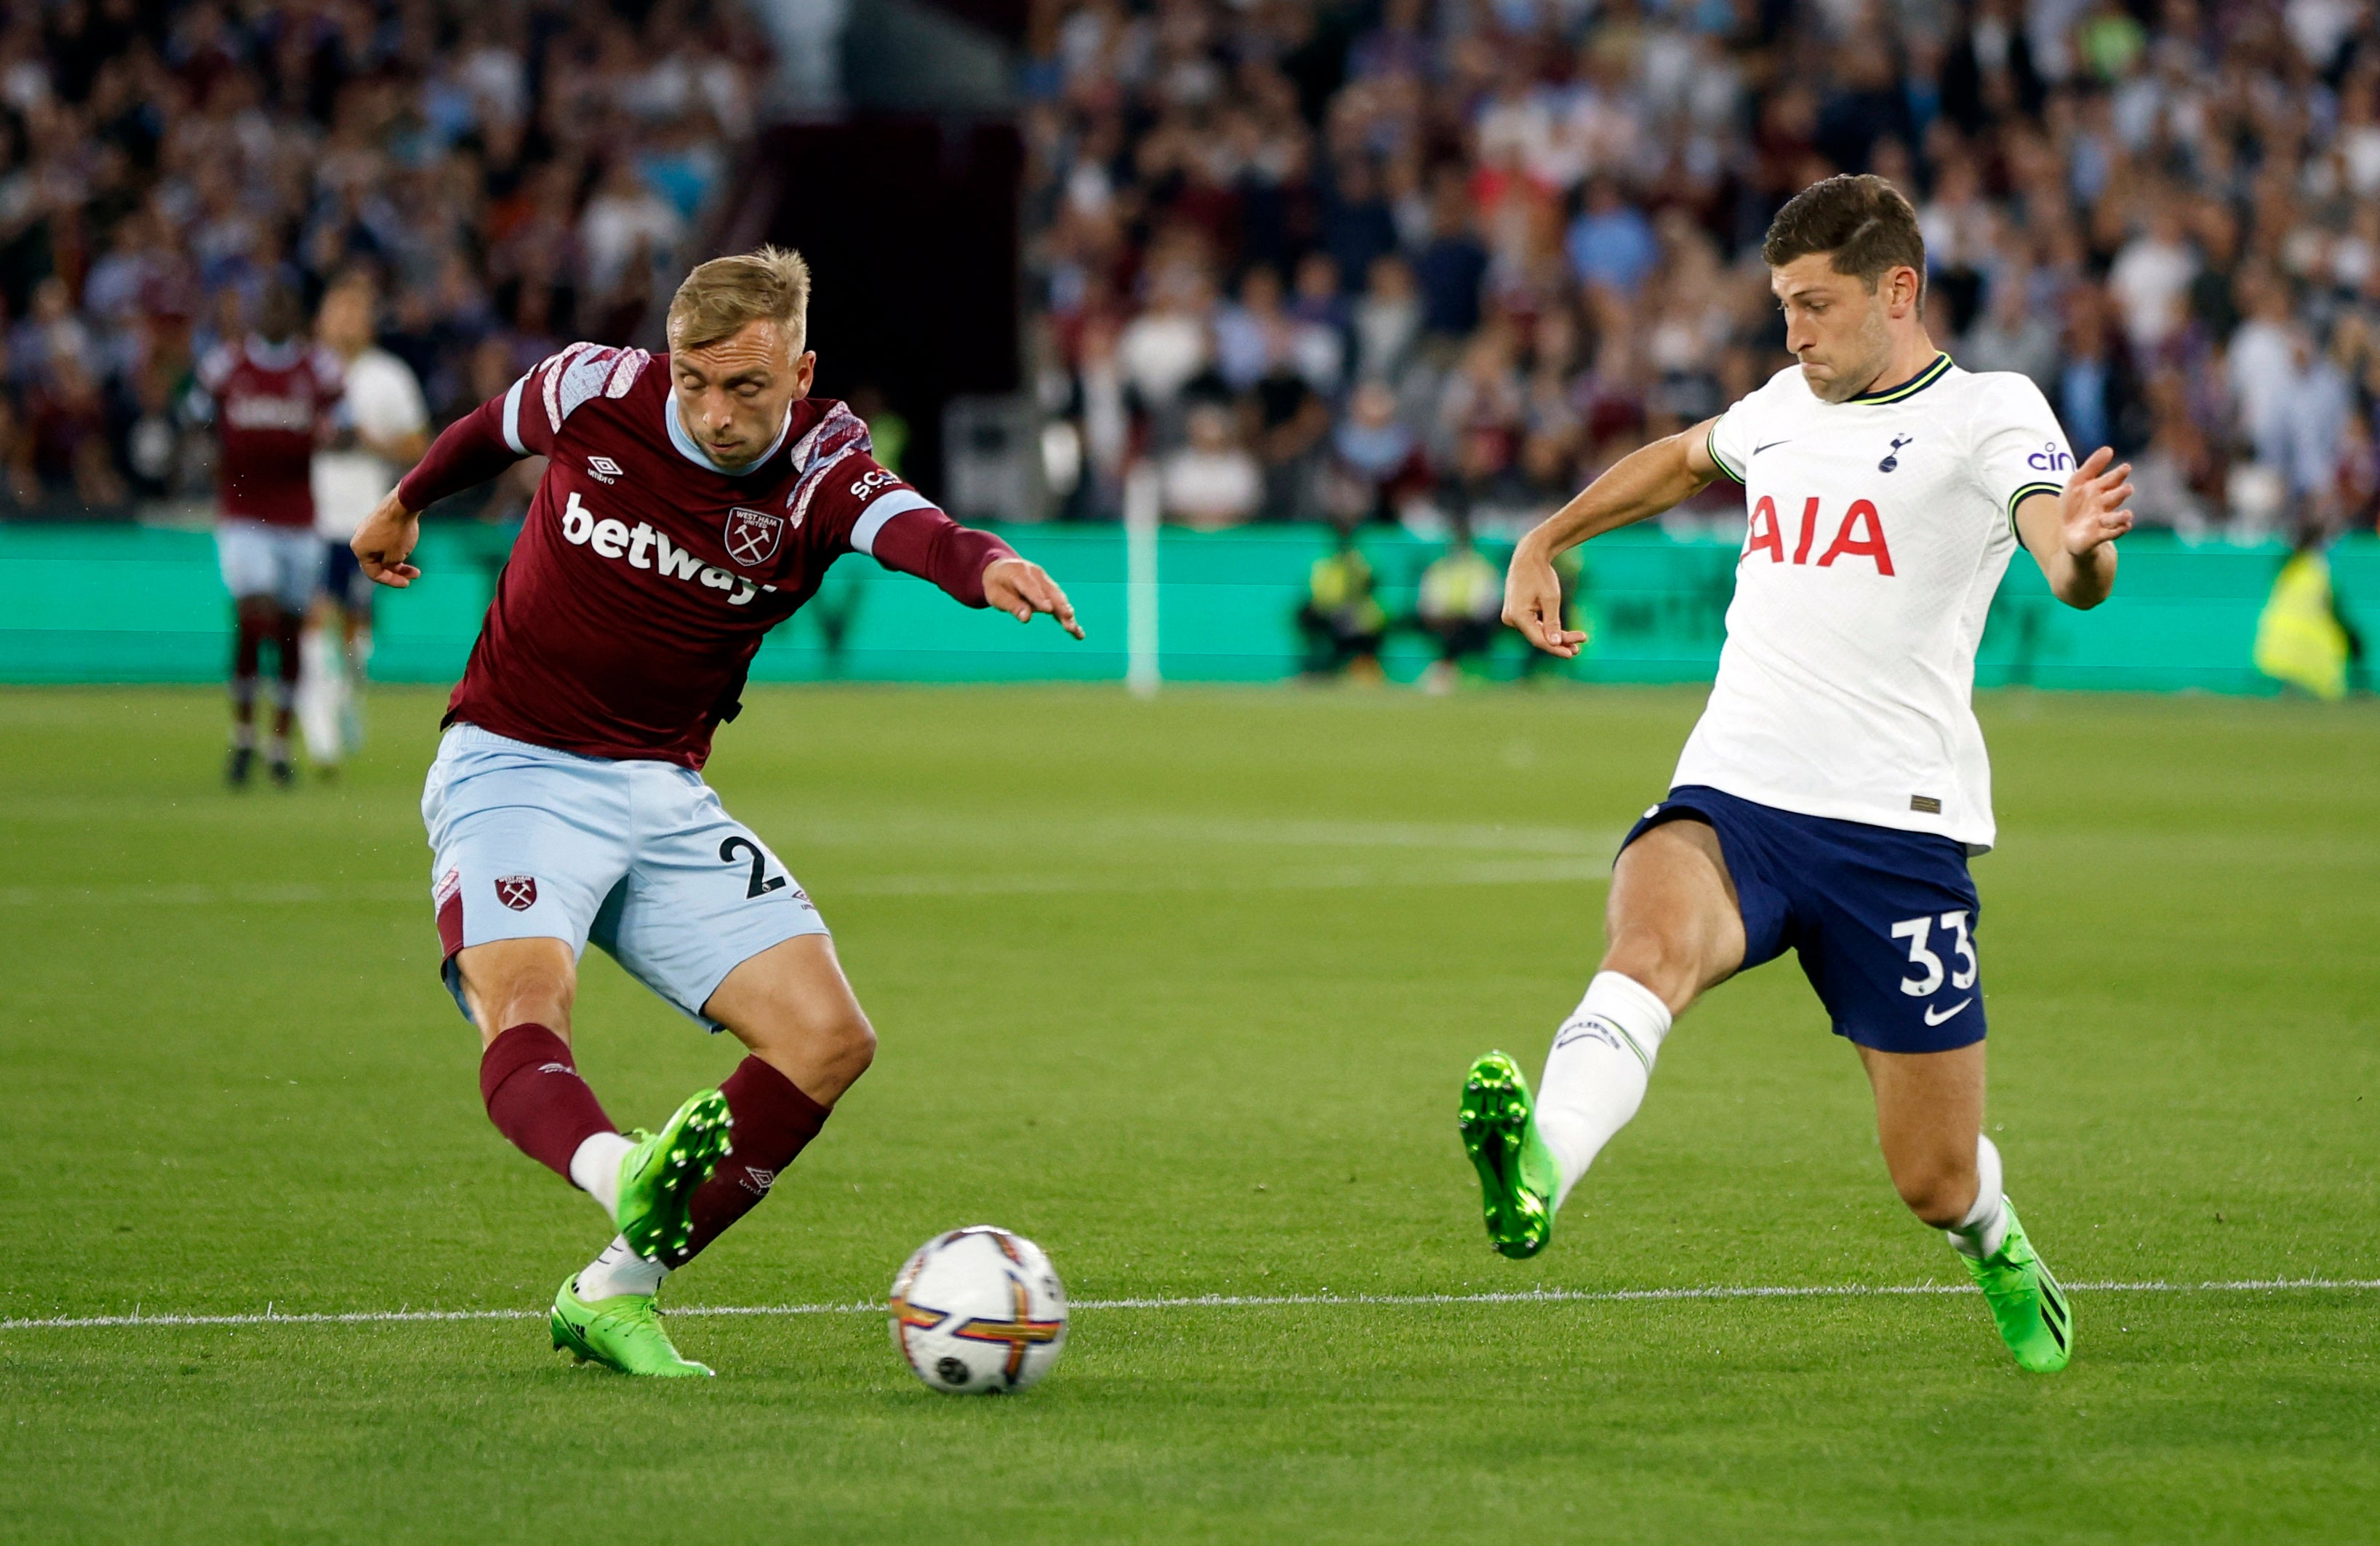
{"x": 753, "y": 536}
{"x": 1892, "y": 456}
{"x": 604, "y": 470}
{"x": 1757, "y": 450}
{"x": 517, "y": 892}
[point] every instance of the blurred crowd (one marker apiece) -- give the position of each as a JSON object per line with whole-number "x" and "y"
{"x": 511, "y": 174}
{"x": 1443, "y": 261}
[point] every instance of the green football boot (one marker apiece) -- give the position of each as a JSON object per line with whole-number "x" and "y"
{"x": 1518, "y": 1175}
{"x": 2026, "y": 1301}
{"x": 658, "y": 1177}
{"x": 622, "y": 1332}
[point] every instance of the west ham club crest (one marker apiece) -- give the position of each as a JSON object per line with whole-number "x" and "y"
{"x": 517, "y": 892}
{"x": 753, "y": 536}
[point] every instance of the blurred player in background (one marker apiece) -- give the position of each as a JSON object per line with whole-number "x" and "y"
{"x": 690, "y": 503}
{"x": 269, "y": 395}
{"x": 1837, "y": 783}
{"x": 378, "y": 429}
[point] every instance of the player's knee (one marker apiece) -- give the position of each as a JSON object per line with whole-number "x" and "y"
{"x": 850, "y": 1040}
{"x": 522, "y": 997}
{"x": 1657, "y": 960}
{"x": 1939, "y": 1194}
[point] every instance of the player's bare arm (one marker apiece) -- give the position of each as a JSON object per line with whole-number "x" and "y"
{"x": 386, "y": 540}
{"x": 2072, "y": 534}
{"x": 1640, "y": 484}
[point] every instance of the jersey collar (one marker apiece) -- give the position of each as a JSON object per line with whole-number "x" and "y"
{"x": 695, "y": 453}
{"x": 1911, "y": 388}
{"x": 274, "y": 357}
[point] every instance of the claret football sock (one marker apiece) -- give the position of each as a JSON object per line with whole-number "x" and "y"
{"x": 619, "y": 1269}
{"x": 536, "y": 1098}
{"x": 595, "y": 1168}
{"x": 775, "y": 1121}
{"x": 1595, "y": 1075}
{"x": 1980, "y": 1232}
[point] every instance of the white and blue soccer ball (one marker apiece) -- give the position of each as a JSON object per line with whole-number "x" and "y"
{"x": 978, "y": 1311}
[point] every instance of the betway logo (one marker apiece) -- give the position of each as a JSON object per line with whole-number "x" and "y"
{"x": 645, "y": 548}
{"x": 270, "y": 413}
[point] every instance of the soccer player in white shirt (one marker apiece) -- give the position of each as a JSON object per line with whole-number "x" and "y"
{"x": 382, "y": 426}
{"x": 1837, "y": 783}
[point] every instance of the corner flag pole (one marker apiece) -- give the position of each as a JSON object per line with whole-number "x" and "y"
{"x": 1140, "y": 516}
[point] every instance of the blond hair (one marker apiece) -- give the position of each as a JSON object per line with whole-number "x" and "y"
{"x": 720, "y": 297}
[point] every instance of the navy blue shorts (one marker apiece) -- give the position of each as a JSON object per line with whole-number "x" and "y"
{"x": 344, "y": 580}
{"x": 1883, "y": 920}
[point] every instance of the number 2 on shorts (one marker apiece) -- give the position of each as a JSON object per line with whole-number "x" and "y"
{"x": 1916, "y": 930}
{"x": 763, "y": 883}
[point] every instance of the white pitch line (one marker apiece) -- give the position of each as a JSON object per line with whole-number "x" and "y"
{"x": 1221, "y": 1301}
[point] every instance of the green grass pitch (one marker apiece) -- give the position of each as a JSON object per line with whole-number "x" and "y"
{"x": 1184, "y": 989}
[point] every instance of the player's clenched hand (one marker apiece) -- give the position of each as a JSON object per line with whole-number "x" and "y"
{"x": 385, "y": 540}
{"x": 2090, "y": 512}
{"x": 1533, "y": 603}
{"x": 1020, "y": 589}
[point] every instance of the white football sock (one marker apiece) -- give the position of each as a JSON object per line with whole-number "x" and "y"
{"x": 595, "y": 1169}
{"x": 1595, "y": 1075}
{"x": 619, "y": 1270}
{"x": 1980, "y": 1232}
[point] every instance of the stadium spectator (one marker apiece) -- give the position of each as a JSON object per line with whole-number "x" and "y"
{"x": 2116, "y": 199}
{"x": 162, "y": 166}
{"x": 1213, "y": 482}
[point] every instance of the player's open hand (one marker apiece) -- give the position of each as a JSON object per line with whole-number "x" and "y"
{"x": 386, "y": 540}
{"x": 1020, "y": 589}
{"x": 2090, "y": 512}
{"x": 1533, "y": 603}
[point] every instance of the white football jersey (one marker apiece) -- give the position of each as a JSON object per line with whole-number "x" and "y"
{"x": 1878, "y": 530}
{"x": 385, "y": 402}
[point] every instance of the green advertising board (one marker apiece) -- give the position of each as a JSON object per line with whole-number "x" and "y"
{"x": 137, "y": 604}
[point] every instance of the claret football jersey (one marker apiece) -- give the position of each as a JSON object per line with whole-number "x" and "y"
{"x": 644, "y": 575}
{"x": 1877, "y": 531}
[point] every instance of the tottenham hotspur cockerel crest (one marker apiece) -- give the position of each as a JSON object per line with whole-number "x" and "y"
{"x": 753, "y": 536}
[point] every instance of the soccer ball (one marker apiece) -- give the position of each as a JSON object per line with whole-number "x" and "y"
{"x": 977, "y": 1312}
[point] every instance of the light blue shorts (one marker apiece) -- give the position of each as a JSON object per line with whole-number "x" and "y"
{"x": 638, "y": 857}
{"x": 257, "y": 558}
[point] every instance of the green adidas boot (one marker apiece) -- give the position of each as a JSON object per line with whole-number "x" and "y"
{"x": 2027, "y": 1303}
{"x": 658, "y": 1177}
{"x": 622, "y": 1332}
{"x": 1518, "y": 1175}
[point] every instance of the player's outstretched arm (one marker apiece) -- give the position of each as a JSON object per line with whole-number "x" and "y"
{"x": 386, "y": 540}
{"x": 473, "y": 449}
{"x": 1644, "y": 482}
{"x": 1021, "y": 589}
{"x": 2072, "y": 534}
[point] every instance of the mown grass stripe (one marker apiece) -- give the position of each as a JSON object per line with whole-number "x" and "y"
{"x": 1211, "y": 1301}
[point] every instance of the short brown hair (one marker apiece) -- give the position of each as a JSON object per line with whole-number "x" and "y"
{"x": 720, "y": 297}
{"x": 1863, "y": 222}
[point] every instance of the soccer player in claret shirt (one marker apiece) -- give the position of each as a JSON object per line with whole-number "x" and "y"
{"x": 271, "y": 396}
{"x": 1837, "y": 783}
{"x": 691, "y": 501}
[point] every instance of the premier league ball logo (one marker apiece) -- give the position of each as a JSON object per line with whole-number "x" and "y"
{"x": 753, "y": 536}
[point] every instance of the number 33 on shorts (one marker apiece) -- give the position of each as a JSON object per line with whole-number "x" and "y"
{"x": 1931, "y": 970}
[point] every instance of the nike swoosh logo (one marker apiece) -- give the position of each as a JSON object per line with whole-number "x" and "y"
{"x": 1757, "y": 450}
{"x": 1934, "y": 1019}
